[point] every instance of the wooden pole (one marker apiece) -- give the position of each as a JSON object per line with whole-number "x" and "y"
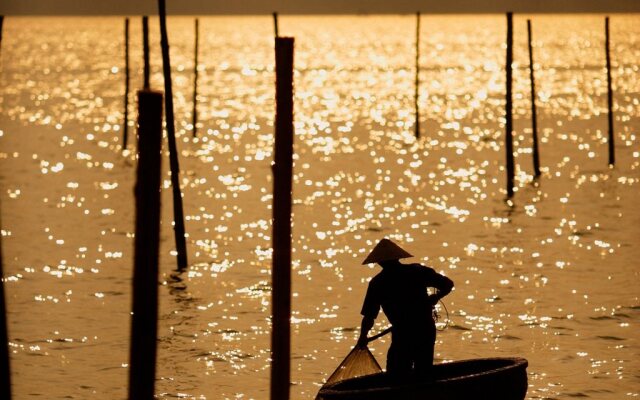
{"x": 195, "y": 78}
{"x": 125, "y": 132}
{"x": 612, "y": 156}
{"x": 1, "y": 22}
{"x": 144, "y": 319}
{"x": 282, "y": 186}
{"x": 145, "y": 51}
{"x": 417, "y": 85}
{"x": 178, "y": 216}
{"x": 275, "y": 23}
{"x": 534, "y": 117}
{"x": 5, "y": 370}
{"x": 509, "y": 116}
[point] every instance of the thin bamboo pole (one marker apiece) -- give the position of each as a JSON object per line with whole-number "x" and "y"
{"x": 275, "y": 24}
{"x": 534, "y": 114}
{"x": 145, "y": 51}
{"x": 1, "y": 23}
{"x": 509, "y": 112}
{"x": 416, "y": 96}
{"x": 174, "y": 166}
{"x": 144, "y": 318}
{"x": 612, "y": 155}
{"x": 282, "y": 186}
{"x": 195, "y": 78}
{"x": 125, "y": 131}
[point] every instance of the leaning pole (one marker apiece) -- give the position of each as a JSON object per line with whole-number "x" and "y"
{"x": 178, "y": 215}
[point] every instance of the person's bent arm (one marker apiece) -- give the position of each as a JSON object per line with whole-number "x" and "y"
{"x": 365, "y": 327}
{"x": 444, "y": 286}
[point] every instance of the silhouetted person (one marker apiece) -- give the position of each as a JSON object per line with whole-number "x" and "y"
{"x": 401, "y": 291}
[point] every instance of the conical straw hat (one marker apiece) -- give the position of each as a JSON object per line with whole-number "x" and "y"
{"x": 385, "y": 250}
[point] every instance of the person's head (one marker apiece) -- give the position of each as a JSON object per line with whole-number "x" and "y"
{"x": 386, "y": 253}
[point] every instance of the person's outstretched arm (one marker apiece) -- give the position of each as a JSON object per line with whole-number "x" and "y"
{"x": 365, "y": 327}
{"x": 370, "y": 310}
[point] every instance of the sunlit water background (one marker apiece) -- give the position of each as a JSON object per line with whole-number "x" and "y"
{"x": 552, "y": 277}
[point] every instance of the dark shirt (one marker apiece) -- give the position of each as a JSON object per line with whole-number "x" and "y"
{"x": 401, "y": 291}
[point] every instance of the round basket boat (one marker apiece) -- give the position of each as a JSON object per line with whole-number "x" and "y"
{"x": 486, "y": 378}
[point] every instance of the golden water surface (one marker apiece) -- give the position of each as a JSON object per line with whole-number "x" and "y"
{"x": 551, "y": 276}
